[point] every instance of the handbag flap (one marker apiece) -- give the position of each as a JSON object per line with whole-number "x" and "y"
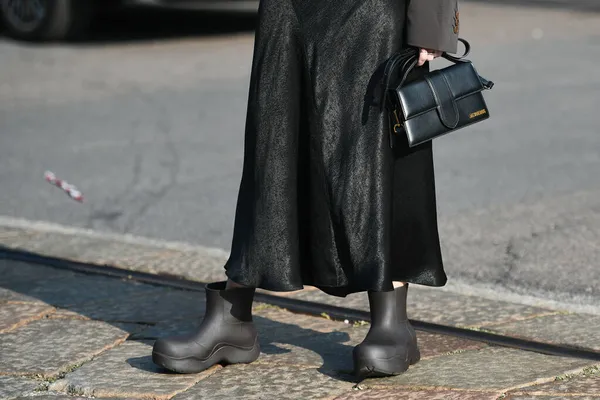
{"x": 440, "y": 90}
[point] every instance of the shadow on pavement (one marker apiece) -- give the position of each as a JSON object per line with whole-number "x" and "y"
{"x": 143, "y": 313}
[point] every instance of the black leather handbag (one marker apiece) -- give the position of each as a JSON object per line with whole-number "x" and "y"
{"x": 436, "y": 103}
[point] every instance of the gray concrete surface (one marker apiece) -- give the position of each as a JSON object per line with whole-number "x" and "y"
{"x": 147, "y": 117}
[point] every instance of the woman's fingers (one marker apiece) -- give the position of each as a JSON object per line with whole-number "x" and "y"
{"x": 424, "y": 56}
{"x": 428, "y": 55}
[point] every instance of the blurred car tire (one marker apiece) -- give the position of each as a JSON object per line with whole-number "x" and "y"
{"x": 45, "y": 19}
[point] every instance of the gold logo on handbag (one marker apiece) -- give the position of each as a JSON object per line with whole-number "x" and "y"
{"x": 477, "y": 113}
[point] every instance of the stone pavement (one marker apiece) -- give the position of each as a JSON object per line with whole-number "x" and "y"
{"x": 66, "y": 334}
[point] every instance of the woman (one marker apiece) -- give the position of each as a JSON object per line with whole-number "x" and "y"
{"x": 324, "y": 199}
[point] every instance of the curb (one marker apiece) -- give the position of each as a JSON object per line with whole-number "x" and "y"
{"x": 160, "y": 257}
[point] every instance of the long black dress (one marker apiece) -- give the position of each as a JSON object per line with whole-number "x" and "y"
{"x": 324, "y": 200}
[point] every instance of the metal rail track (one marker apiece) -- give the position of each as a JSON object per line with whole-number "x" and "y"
{"x": 303, "y": 306}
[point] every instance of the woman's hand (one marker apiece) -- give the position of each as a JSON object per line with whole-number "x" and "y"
{"x": 428, "y": 55}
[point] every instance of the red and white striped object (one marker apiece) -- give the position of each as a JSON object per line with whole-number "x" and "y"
{"x": 69, "y": 189}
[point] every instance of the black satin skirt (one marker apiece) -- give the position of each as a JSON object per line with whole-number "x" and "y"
{"x": 324, "y": 199}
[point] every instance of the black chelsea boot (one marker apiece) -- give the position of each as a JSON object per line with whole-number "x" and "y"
{"x": 226, "y": 334}
{"x": 390, "y": 346}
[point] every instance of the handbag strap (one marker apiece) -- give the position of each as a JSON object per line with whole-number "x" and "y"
{"x": 459, "y": 58}
{"x": 410, "y": 57}
{"x": 409, "y": 60}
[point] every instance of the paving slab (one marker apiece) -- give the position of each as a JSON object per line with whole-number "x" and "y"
{"x": 127, "y": 371}
{"x": 167, "y": 328}
{"x": 13, "y": 386}
{"x": 80, "y": 289}
{"x": 64, "y": 288}
{"x": 491, "y": 368}
{"x": 48, "y": 347}
{"x": 395, "y": 394}
{"x": 13, "y": 315}
{"x": 276, "y": 322}
{"x": 161, "y": 304}
{"x": 326, "y": 351}
{"x": 254, "y": 381}
{"x": 569, "y": 329}
{"x": 441, "y": 307}
{"x": 582, "y": 385}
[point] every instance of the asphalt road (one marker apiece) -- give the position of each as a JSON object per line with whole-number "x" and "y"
{"x": 146, "y": 117}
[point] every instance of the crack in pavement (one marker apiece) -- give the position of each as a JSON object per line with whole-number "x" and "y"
{"x": 114, "y": 208}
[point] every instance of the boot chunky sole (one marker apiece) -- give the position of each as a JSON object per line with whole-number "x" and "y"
{"x": 223, "y": 354}
{"x": 381, "y": 367}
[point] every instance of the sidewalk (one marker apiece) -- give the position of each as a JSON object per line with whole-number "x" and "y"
{"x": 64, "y": 333}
